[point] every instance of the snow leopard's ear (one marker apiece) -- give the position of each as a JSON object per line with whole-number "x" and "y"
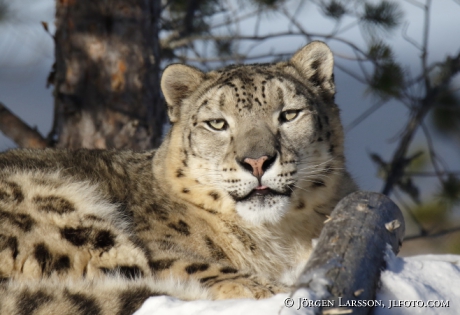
{"x": 315, "y": 63}
{"x": 178, "y": 82}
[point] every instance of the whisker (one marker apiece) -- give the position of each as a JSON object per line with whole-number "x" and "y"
{"x": 313, "y": 161}
{"x": 303, "y": 174}
{"x": 307, "y": 191}
{"x": 316, "y": 171}
{"x": 311, "y": 181}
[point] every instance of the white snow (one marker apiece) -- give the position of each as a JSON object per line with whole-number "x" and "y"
{"x": 411, "y": 281}
{"x": 422, "y": 278}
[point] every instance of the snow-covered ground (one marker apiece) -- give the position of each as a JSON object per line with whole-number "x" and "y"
{"x": 412, "y": 285}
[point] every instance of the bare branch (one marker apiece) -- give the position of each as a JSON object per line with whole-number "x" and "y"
{"x": 332, "y": 36}
{"x": 296, "y": 12}
{"x": 426, "y": 30}
{"x": 18, "y": 131}
{"x": 237, "y": 19}
{"x": 431, "y": 174}
{"x": 432, "y": 235}
{"x": 416, "y": 3}
{"x": 198, "y": 55}
{"x": 297, "y": 24}
{"x": 351, "y": 74}
{"x": 408, "y": 39}
{"x": 432, "y": 153}
{"x": 181, "y": 42}
{"x": 348, "y": 27}
{"x": 361, "y": 66}
{"x": 176, "y": 40}
{"x": 364, "y": 115}
{"x": 347, "y": 57}
{"x": 257, "y": 26}
{"x": 232, "y": 58}
{"x": 422, "y": 75}
{"x": 410, "y": 213}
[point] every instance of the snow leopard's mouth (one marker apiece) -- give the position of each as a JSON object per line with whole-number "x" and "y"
{"x": 262, "y": 192}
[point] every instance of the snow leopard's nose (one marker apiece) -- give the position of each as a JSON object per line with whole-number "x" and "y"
{"x": 258, "y": 166}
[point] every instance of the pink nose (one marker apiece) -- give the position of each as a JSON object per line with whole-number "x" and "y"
{"x": 256, "y": 165}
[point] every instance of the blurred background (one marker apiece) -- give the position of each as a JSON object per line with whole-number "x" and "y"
{"x": 391, "y": 57}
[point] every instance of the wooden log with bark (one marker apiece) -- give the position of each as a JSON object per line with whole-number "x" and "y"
{"x": 345, "y": 265}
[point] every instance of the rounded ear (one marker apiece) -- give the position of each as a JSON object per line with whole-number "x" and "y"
{"x": 315, "y": 63}
{"x": 178, "y": 82}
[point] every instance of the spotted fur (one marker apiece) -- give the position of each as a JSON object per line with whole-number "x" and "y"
{"x": 225, "y": 208}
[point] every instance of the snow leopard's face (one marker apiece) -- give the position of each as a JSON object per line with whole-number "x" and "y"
{"x": 258, "y": 134}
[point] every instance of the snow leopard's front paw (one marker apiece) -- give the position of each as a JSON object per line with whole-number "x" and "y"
{"x": 245, "y": 287}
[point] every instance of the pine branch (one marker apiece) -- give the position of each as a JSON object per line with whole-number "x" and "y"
{"x": 451, "y": 68}
{"x": 18, "y": 131}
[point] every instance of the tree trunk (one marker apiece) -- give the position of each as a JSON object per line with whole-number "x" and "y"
{"x": 107, "y": 91}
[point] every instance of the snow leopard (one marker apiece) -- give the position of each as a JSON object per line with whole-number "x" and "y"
{"x": 225, "y": 208}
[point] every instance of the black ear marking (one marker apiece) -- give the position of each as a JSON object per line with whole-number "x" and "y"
{"x": 315, "y": 63}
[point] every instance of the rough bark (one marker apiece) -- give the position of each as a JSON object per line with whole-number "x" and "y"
{"x": 349, "y": 256}
{"x": 107, "y": 91}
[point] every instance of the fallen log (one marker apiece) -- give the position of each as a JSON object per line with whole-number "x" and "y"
{"x": 343, "y": 272}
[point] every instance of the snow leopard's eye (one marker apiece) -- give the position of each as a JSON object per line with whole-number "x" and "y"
{"x": 289, "y": 115}
{"x": 217, "y": 124}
